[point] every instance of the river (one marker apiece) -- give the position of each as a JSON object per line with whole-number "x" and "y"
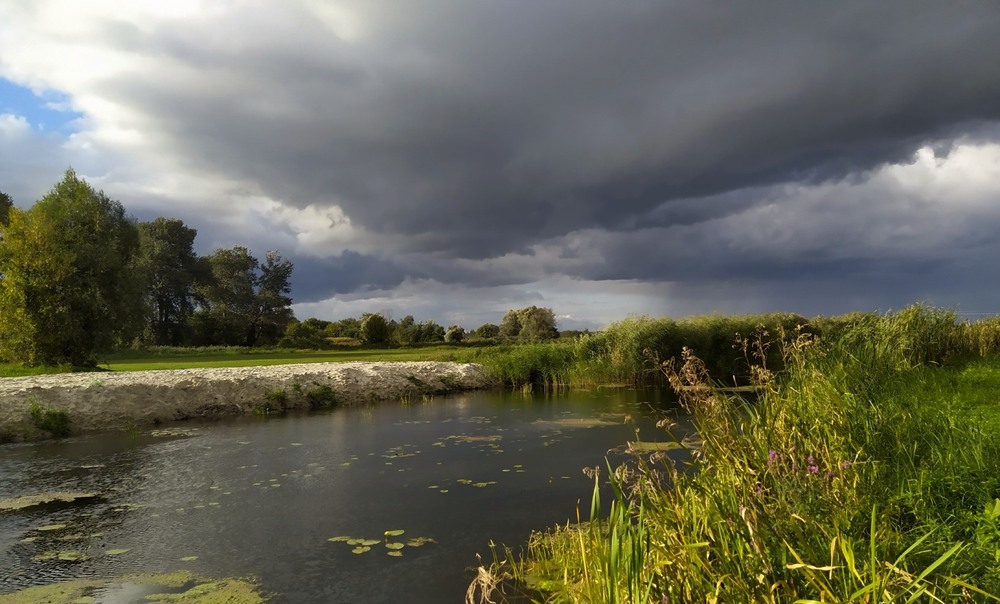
{"x": 261, "y": 497}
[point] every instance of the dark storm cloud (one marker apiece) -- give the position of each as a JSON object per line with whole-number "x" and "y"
{"x": 649, "y": 154}
{"x": 320, "y": 279}
{"x": 472, "y": 130}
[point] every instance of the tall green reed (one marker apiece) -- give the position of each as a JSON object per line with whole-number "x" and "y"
{"x": 847, "y": 479}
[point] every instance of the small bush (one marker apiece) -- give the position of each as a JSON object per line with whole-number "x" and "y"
{"x": 321, "y": 396}
{"x": 53, "y": 422}
{"x": 278, "y": 397}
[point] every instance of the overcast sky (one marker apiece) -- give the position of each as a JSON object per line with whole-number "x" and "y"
{"x": 452, "y": 159}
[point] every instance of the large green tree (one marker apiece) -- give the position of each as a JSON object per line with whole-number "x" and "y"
{"x": 69, "y": 286}
{"x": 530, "y": 323}
{"x": 172, "y": 271}
{"x": 248, "y": 300}
{"x": 375, "y": 329}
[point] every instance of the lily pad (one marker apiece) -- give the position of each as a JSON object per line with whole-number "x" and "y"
{"x": 72, "y": 537}
{"x": 189, "y": 558}
{"x": 361, "y": 550}
{"x": 340, "y": 539}
{"x": 419, "y": 541}
{"x": 116, "y": 552}
{"x": 369, "y": 542}
{"x": 394, "y": 533}
{"x": 395, "y": 554}
{"x": 394, "y": 545}
{"x": 64, "y": 556}
{"x": 51, "y": 527}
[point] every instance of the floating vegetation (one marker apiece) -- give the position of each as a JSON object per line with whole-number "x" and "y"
{"x": 486, "y": 438}
{"x": 362, "y": 545}
{"x": 172, "y": 432}
{"x": 400, "y": 451}
{"x": 188, "y": 558}
{"x": 51, "y": 527}
{"x": 28, "y": 501}
{"x": 577, "y": 422}
{"x": 394, "y": 554}
{"x": 183, "y": 588}
{"x": 62, "y": 556}
{"x": 128, "y": 507}
{"x": 72, "y": 537}
{"x": 479, "y": 485}
{"x": 116, "y": 552}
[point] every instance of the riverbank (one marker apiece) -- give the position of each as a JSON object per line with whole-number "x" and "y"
{"x": 868, "y": 469}
{"x": 139, "y": 399}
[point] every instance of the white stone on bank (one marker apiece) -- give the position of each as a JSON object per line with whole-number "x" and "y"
{"x": 116, "y": 400}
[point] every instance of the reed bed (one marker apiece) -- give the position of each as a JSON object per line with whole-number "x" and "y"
{"x": 850, "y": 478}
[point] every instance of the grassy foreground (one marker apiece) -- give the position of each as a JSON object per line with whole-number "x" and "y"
{"x": 867, "y": 471}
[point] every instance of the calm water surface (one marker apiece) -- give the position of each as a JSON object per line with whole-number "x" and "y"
{"x": 261, "y": 496}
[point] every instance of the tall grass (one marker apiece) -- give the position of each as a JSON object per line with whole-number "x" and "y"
{"x": 849, "y": 479}
{"x": 625, "y": 352}
{"x": 547, "y": 365}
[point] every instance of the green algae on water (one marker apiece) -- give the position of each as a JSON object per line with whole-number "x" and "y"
{"x": 11, "y": 504}
{"x": 180, "y": 587}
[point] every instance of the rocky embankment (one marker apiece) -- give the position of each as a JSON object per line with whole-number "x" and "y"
{"x": 120, "y": 400}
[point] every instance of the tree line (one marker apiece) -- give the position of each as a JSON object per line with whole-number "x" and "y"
{"x": 79, "y": 276}
{"x": 375, "y": 329}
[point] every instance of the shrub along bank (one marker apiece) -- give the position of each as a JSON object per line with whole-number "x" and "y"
{"x": 861, "y": 473}
{"x": 627, "y": 351}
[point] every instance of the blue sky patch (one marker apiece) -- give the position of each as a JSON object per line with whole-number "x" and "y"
{"x": 47, "y": 113}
